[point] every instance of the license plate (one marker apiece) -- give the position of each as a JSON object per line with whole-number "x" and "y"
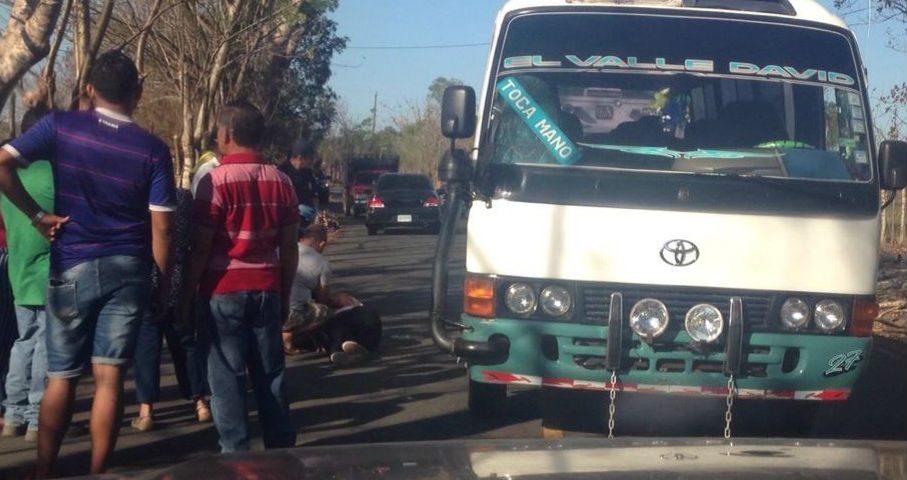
{"x": 404, "y": 218}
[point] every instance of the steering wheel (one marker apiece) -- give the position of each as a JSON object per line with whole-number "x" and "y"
{"x": 785, "y": 144}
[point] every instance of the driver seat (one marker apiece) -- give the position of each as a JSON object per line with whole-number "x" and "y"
{"x": 747, "y": 124}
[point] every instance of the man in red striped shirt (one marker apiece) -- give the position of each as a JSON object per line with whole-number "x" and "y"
{"x": 242, "y": 265}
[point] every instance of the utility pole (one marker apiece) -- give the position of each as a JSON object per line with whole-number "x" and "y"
{"x": 375, "y": 114}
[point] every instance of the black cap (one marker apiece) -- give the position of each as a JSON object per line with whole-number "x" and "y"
{"x": 302, "y": 148}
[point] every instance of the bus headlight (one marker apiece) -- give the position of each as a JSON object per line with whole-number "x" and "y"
{"x": 520, "y": 299}
{"x": 649, "y": 318}
{"x": 704, "y": 323}
{"x": 794, "y": 313}
{"x": 555, "y": 301}
{"x": 829, "y": 315}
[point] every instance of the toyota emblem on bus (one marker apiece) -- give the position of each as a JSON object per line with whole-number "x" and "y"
{"x": 679, "y": 253}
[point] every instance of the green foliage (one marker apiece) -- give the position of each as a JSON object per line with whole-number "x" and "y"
{"x": 304, "y": 105}
{"x": 436, "y": 89}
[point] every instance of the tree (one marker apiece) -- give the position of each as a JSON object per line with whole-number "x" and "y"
{"x": 415, "y": 137}
{"x": 883, "y": 10}
{"x": 420, "y": 143}
{"x": 195, "y": 55}
{"x": 192, "y": 55}
{"x": 26, "y": 40}
{"x": 293, "y": 88}
{"x": 892, "y": 105}
{"x": 437, "y": 87}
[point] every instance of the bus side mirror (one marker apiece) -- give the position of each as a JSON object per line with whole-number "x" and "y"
{"x": 458, "y": 112}
{"x": 455, "y": 167}
{"x": 893, "y": 164}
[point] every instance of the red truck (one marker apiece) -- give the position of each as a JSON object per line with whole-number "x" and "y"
{"x": 361, "y": 174}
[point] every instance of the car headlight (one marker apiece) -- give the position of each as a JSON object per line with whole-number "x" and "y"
{"x": 555, "y": 301}
{"x": 704, "y": 323}
{"x": 829, "y": 315}
{"x": 520, "y": 299}
{"x": 794, "y": 313}
{"x": 649, "y": 318}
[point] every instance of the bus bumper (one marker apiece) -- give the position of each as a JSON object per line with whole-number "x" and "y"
{"x": 773, "y": 365}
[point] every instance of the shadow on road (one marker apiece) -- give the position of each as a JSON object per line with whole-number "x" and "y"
{"x": 458, "y": 424}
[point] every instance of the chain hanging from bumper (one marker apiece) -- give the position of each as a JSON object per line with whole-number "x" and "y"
{"x": 729, "y": 400}
{"x": 612, "y": 394}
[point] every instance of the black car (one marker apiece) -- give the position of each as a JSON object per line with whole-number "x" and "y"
{"x": 403, "y": 200}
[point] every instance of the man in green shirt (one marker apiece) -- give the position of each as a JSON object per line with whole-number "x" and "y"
{"x": 29, "y": 264}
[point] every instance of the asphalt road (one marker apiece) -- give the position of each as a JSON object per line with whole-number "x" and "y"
{"x": 413, "y": 392}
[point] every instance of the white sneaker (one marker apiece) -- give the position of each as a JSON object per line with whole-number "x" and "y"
{"x": 352, "y": 348}
{"x": 341, "y": 358}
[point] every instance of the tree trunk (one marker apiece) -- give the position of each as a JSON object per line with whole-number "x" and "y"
{"x": 143, "y": 37}
{"x": 215, "y": 75}
{"x": 25, "y": 40}
{"x": 94, "y": 45}
{"x": 82, "y": 42}
{"x": 283, "y": 43}
{"x": 48, "y": 75}
{"x": 187, "y": 150}
{"x": 884, "y": 236}
{"x": 902, "y": 242}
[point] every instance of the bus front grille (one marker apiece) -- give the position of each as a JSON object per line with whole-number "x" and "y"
{"x": 594, "y": 303}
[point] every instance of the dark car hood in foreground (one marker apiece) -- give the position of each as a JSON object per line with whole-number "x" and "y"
{"x": 562, "y": 459}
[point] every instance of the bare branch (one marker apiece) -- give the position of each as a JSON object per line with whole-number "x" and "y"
{"x": 25, "y": 41}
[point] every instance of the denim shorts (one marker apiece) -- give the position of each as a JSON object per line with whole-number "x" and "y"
{"x": 94, "y": 310}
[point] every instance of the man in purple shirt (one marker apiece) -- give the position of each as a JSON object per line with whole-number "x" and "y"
{"x": 114, "y": 197}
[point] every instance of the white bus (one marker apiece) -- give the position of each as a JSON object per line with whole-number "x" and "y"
{"x": 678, "y": 197}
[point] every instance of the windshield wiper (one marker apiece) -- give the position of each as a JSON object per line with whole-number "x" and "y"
{"x": 783, "y": 185}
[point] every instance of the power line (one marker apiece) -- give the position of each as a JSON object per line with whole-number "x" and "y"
{"x": 418, "y": 47}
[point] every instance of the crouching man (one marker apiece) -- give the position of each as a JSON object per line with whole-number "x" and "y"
{"x": 334, "y": 324}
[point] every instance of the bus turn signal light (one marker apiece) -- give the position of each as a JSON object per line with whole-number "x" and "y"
{"x": 478, "y": 297}
{"x": 865, "y": 311}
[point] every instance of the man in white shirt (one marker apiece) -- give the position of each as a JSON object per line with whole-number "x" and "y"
{"x": 314, "y": 272}
{"x": 310, "y": 296}
{"x": 314, "y": 310}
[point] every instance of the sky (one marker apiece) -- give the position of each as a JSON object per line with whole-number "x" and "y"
{"x": 403, "y": 75}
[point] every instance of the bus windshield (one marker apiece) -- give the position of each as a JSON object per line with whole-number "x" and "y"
{"x": 600, "y": 96}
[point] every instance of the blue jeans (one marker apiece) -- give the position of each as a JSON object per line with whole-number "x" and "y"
{"x": 8, "y": 330}
{"x": 243, "y": 330}
{"x": 93, "y": 313}
{"x": 148, "y": 361}
{"x": 27, "y": 369}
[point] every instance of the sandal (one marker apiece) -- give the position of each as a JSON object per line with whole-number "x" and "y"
{"x": 143, "y": 423}
{"x": 202, "y": 412}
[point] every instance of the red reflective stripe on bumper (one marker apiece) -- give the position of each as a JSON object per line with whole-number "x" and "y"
{"x": 506, "y": 377}
{"x": 832, "y": 394}
{"x": 713, "y": 390}
{"x": 707, "y": 390}
{"x": 790, "y": 394}
{"x": 557, "y": 382}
